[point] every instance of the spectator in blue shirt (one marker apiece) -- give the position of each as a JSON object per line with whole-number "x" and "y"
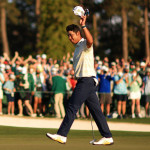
{"x": 9, "y": 90}
{"x": 120, "y": 91}
{"x": 2, "y": 79}
{"x": 104, "y": 89}
{"x": 146, "y": 86}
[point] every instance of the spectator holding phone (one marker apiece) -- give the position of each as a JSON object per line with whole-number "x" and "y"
{"x": 135, "y": 82}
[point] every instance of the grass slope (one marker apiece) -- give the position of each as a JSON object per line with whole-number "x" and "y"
{"x": 13, "y": 138}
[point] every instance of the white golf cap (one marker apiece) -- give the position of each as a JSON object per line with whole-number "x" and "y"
{"x": 44, "y": 56}
{"x": 54, "y": 70}
{"x": 142, "y": 64}
{"x": 56, "y": 66}
{"x": 100, "y": 63}
{"x": 2, "y": 66}
{"x": 12, "y": 76}
{"x": 19, "y": 68}
{"x": 7, "y": 67}
{"x": 38, "y": 56}
{"x": 97, "y": 58}
{"x": 113, "y": 64}
{"x": 105, "y": 68}
{"x": 24, "y": 70}
{"x": 79, "y": 11}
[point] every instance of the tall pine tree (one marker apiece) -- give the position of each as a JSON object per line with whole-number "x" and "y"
{"x": 55, "y": 16}
{"x": 130, "y": 14}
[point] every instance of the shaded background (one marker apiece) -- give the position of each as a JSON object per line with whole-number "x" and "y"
{"x": 120, "y": 27}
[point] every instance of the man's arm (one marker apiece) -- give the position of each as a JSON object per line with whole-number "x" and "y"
{"x": 87, "y": 33}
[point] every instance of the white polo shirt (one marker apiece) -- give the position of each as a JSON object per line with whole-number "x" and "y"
{"x": 83, "y": 60}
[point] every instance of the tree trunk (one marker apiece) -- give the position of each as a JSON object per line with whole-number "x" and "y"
{"x": 124, "y": 34}
{"x": 37, "y": 12}
{"x": 95, "y": 30}
{"x": 4, "y": 30}
{"x": 146, "y": 30}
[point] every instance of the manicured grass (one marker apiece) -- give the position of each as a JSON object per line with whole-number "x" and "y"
{"x": 12, "y": 138}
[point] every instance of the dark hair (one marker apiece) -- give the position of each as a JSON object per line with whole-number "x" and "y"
{"x": 73, "y": 28}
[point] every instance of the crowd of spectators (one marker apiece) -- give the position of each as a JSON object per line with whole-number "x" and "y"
{"x": 43, "y": 86}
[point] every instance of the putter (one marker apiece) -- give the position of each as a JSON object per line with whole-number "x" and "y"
{"x": 91, "y": 142}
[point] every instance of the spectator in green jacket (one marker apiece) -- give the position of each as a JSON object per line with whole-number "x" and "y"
{"x": 23, "y": 85}
{"x": 59, "y": 89}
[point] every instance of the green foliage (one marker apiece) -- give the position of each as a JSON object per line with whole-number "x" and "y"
{"x": 21, "y": 34}
{"x": 13, "y": 13}
{"x": 113, "y": 8}
{"x": 55, "y": 16}
{"x": 22, "y": 26}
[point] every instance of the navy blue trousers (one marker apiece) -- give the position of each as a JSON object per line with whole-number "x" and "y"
{"x": 85, "y": 91}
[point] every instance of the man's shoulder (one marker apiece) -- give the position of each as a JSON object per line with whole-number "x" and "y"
{"x": 82, "y": 42}
{"x": 57, "y": 77}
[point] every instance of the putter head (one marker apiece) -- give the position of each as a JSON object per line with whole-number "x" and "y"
{"x": 91, "y": 142}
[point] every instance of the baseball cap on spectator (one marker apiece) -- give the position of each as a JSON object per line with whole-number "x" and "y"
{"x": 113, "y": 64}
{"x": 2, "y": 67}
{"x": 7, "y": 67}
{"x": 44, "y": 56}
{"x": 12, "y": 76}
{"x": 104, "y": 68}
{"x": 97, "y": 58}
{"x": 38, "y": 56}
{"x": 24, "y": 70}
{"x": 71, "y": 60}
{"x": 56, "y": 66}
{"x": 98, "y": 68}
{"x": 142, "y": 64}
{"x": 19, "y": 68}
{"x": 54, "y": 70}
{"x": 100, "y": 63}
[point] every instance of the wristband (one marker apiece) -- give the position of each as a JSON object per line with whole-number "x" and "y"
{"x": 83, "y": 27}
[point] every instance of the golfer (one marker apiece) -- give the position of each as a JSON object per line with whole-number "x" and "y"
{"x": 85, "y": 90}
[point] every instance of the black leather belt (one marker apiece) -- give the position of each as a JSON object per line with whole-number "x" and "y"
{"x": 77, "y": 78}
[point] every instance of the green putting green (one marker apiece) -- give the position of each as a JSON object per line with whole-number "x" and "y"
{"x": 14, "y": 138}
